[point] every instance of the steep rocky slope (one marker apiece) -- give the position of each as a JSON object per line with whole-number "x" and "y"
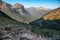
{"x": 7, "y": 21}
{"x": 14, "y": 13}
{"x": 20, "y": 8}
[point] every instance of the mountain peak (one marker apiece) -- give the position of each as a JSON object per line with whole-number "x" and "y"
{"x": 41, "y": 8}
{"x": 17, "y": 5}
{"x": 38, "y": 8}
{"x": 4, "y": 5}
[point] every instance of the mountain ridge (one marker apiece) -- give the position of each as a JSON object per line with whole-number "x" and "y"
{"x": 14, "y": 14}
{"x": 52, "y": 13}
{"x": 19, "y": 13}
{"x": 53, "y": 21}
{"x": 38, "y": 13}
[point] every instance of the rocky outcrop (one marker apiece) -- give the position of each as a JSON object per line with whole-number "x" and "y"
{"x": 18, "y": 6}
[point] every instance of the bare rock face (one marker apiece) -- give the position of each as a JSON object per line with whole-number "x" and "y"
{"x": 18, "y": 6}
{"x": 21, "y": 10}
{"x": 13, "y": 11}
{"x": 4, "y": 5}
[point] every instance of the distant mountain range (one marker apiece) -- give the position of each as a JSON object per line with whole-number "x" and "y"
{"x": 38, "y": 12}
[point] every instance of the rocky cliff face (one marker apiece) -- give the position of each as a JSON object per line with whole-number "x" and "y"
{"x": 18, "y": 6}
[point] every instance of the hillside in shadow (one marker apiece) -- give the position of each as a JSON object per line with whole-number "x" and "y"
{"x": 51, "y": 24}
{"x": 2, "y": 14}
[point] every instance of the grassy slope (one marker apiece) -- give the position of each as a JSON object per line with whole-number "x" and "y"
{"x": 4, "y": 19}
{"x": 45, "y": 31}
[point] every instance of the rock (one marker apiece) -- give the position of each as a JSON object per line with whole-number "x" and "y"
{"x": 4, "y": 5}
{"x": 18, "y": 6}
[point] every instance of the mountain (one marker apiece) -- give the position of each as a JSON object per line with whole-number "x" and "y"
{"x": 20, "y": 14}
{"x": 6, "y": 20}
{"x": 49, "y": 20}
{"x": 55, "y": 14}
{"x": 12, "y": 29}
{"x": 41, "y": 8}
{"x": 20, "y": 8}
{"x": 38, "y": 12}
{"x": 13, "y": 25}
{"x": 46, "y": 26}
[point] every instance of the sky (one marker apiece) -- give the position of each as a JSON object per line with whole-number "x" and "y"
{"x": 36, "y": 3}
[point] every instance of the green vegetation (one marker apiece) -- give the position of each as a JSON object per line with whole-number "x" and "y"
{"x": 7, "y": 21}
{"x": 46, "y": 27}
{"x": 52, "y": 24}
{"x": 45, "y": 31}
{"x": 36, "y": 28}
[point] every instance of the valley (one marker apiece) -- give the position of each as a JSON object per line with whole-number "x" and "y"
{"x": 19, "y": 23}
